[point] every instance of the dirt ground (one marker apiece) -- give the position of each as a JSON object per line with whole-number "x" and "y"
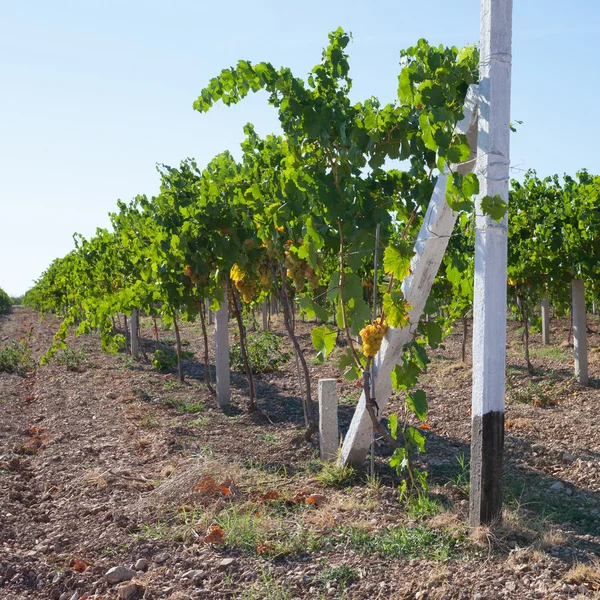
{"x": 117, "y": 465}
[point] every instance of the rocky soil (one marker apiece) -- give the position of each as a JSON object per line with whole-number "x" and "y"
{"x": 118, "y": 482}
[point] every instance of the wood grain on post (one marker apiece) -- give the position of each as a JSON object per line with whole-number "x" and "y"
{"x": 489, "y": 300}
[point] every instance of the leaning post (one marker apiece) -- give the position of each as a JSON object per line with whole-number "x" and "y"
{"x": 491, "y": 239}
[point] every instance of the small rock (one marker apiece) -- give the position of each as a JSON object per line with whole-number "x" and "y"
{"x": 141, "y": 564}
{"x": 568, "y": 458}
{"x": 557, "y": 486}
{"x": 189, "y": 574}
{"x": 226, "y": 563}
{"x": 161, "y": 558}
{"x": 111, "y": 395}
{"x": 128, "y": 590}
{"x": 118, "y": 574}
{"x": 63, "y": 596}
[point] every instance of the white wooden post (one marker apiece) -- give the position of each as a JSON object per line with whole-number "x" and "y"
{"x": 265, "y": 316}
{"x": 429, "y": 249}
{"x": 579, "y": 331}
{"x": 329, "y": 433}
{"x": 489, "y": 300}
{"x": 222, "y": 352}
{"x": 134, "y": 326}
{"x": 545, "y": 319}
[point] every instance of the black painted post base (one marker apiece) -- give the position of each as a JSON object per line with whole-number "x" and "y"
{"x": 486, "y": 490}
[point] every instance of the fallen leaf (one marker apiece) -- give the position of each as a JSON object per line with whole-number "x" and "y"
{"x": 215, "y": 535}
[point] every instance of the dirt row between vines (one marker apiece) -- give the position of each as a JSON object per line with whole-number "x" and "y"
{"x": 117, "y": 465}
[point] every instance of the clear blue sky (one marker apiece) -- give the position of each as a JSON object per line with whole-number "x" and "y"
{"x": 94, "y": 94}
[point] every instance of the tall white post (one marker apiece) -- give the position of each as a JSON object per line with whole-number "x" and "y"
{"x": 265, "y": 316}
{"x": 329, "y": 434}
{"x": 135, "y": 325}
{"x": 579, "y": 331}
{"x": 545, "y": 319}
{"x": 429, "y": 249}
{"x": 222, "y": 352}
{"x": 489, "y": 302}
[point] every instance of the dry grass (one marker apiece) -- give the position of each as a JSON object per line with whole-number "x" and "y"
{"x": 583, "y": 573}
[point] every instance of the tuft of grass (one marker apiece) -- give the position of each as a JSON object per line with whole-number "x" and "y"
{"x": 341, "y": 575}
{"x": 184, "y": 406}
{"x": 417, "y": 541}
{"x": 269, "y": 437}
{"x": 266, "y": 588}
{"x": 581, "y": 573}
{"x": 337, "y": 476}
{"x": 556, "y": 353}
{"x": 421, "y": 506}
{"x": 16, "y": 358}
{"x": 532, "y": 393}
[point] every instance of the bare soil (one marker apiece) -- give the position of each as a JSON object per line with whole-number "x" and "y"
{"x": 117, "y": 465}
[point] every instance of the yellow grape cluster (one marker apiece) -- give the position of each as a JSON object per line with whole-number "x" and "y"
{"x": 189, "y": 272}
{"x": 371, "y": 336}
{"x": 296, "y": 270}
{"x": 313, "y": 278}
{"x": 246, "y": 286}
{"x": 264, "y": 274}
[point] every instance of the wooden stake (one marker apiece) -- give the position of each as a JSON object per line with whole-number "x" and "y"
{"x": 545, "y": 319}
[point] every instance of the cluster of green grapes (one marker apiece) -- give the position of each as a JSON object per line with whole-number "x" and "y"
{"x": 296, "y": 270}
{"x": 371, "y": 336}
{"x": 245, "y": 285}
{"x": 264, "y": 275}
{"x": 313, "y": 278}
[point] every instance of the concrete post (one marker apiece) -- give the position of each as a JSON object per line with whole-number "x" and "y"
{"x": 545, "y": 319}
{"x": 429, "y": 249}
{"x": 329, "y": 434}
{"x": 579, "y": 331}
{"x": 209, "y": 313}
{"x": 265, "y": 316}
{"x": 222, "y": 352}
{"x": 134, "y": 326}
{"x": 489, "y": 300}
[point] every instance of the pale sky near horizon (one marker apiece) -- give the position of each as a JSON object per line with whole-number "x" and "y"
{"x": 93, "y": 95}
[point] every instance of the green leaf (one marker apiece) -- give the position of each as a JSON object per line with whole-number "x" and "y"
{"x": 393, "y": 425}
{"x": 494, "y": 206}
{"x": 417, "y": 401}
{"x": 396, "y": 261}
{"x": 313, "y": 309}
{"x": 323, "y": 339}
{"x": 348, "y": 367}
{"x": 414, "y": 438}
{"x": 405, "y": 376}
{"x": 396, "y": 308}
{"x": 399, "y": 460}
{"x": 433, "y": 332}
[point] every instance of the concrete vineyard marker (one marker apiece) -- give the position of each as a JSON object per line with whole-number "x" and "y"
{"x": 489, "y": 301}
{"x": 222, "y": 352}
{"x": 265, "y": 316}
{"x": 579, "y": 331}
{"x": 545, "y": 320}
{"x": 429, "y": 249}
{"x": 135, "y": 324}
{"x": 329, "y": 435}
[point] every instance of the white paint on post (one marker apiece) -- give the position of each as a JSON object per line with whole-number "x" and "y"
{"x": 329, "y": 433}
{"x": 265, "y": 316}
{"x": 135, "y": 325}
{"x": 428, "y": 253}
{"x": 579, "y": 331}
{"x": 222, "y": 352}
{"x": 545, "y": 319}
{"x": 489, "y": 300}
